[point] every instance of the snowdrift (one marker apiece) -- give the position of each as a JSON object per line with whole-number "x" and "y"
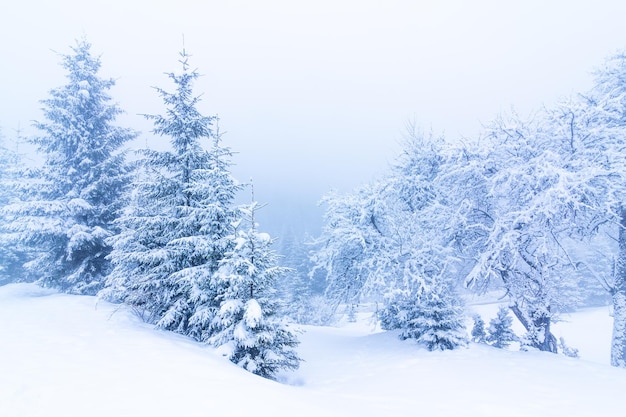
{"x": 64, "y": 355}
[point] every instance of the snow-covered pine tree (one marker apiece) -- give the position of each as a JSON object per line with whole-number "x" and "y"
{"x": 432, "y": 315}
{"x": 247, "y": 327}
{"x": 478, "y": 329}
{"x": 68, "y": 205}
{"x": 177, "y": 231}
{"x": 11, "y": 258}
{"x": 500, "y": 332}
{"x": 439, "y": 324}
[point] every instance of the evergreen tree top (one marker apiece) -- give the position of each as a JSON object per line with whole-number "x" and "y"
{"x": 182, "y": 122}
{"x": 78, "y": 128}
{"x": 82, "y": 65}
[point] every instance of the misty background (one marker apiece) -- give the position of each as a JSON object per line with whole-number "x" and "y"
{"x": 312, "y": 95}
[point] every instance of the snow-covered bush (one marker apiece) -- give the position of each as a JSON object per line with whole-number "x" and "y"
{"x": 478, "y": 329}
{"x": 567, "y": 350}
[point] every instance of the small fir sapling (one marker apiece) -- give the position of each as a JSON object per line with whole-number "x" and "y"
{"x": 479, "y": 334}
{"x": 500, "y": 332}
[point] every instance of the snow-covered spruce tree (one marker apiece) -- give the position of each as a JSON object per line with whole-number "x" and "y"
{"x": 500, "y": 332}
{"x": 247, "y": 327}
{"x": 179, "y": 227}
{"x": 11, "y": 259}
{"x": 478, "y": 329}
{"x": 427, "y": 310}
{"x": 439, "y": 324}
{"x": 432, "y": 315}
{"x": 68, "y": 205}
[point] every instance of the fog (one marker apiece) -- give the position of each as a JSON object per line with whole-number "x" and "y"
{"x": 313, "y": 95}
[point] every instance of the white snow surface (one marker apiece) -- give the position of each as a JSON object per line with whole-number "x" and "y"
{"x": 68, "y": 355}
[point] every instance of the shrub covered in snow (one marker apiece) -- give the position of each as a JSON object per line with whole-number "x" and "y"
{"x": 478, "y": 330}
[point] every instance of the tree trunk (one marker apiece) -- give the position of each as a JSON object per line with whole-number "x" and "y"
{"x": 548, "y": 344}
{"x": 539, "y": 323}
{"x": 618, "y": 342}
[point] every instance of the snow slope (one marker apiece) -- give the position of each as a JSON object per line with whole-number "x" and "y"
{"x": 63, "y": 355}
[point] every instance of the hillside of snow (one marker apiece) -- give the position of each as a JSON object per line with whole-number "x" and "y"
{"x": 65, "y": 355}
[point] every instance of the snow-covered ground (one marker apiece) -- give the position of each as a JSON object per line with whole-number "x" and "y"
{"x": 63, "y": 355}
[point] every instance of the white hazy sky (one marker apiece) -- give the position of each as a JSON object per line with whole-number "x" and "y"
{"x": 315, "y": 94}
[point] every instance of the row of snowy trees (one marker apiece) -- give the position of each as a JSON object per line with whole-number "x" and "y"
{"x": 499, "y": 333}
{"x": 162, "y": 234}
{"x": 534, "y": 206}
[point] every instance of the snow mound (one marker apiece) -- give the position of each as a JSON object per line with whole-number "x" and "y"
{"x": 64, "y": 355}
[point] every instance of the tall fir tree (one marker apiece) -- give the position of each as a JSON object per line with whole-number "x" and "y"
{"x": 68, "y": 206}
{"x": 247, "y": 327}
{"x": 178, "y": 228}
